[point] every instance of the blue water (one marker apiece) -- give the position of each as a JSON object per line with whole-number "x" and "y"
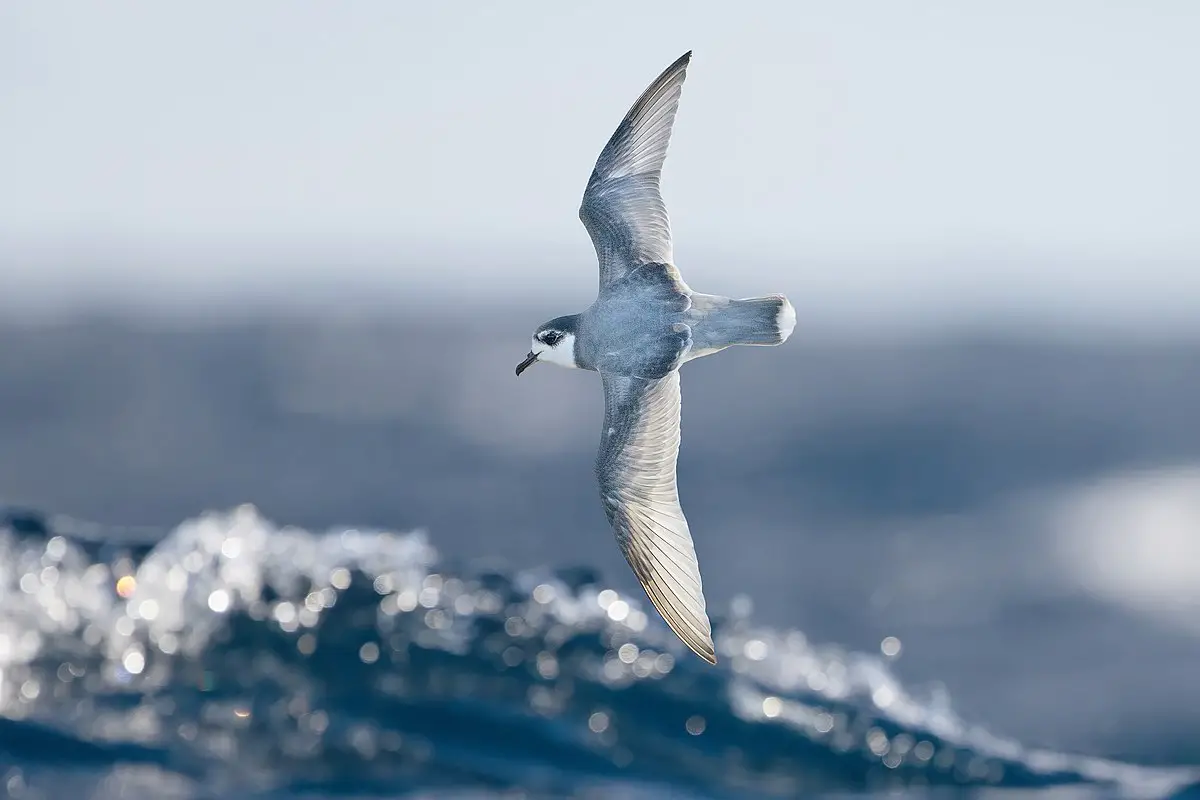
{"x": 231, "y": 658}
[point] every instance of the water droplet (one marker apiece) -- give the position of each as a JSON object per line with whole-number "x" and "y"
{"x": 134, "y": 662}
{"x": 598, "y": 722}
{"x": 126, "y": 586}
{"x": 618, "y": 610}
{"x": 406, "y": 600}
{"x": 56, "y": 548}
{"x": 148, "y": 610}
{"x": 755, "y": 650}
{"x": 218, "y": 601}
{"x": 547, "y": 665}
{"x": 877, "y": 741}
{"x": 340, "y": 578}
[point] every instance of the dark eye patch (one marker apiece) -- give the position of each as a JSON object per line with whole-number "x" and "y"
{"x": 551, "y": 337}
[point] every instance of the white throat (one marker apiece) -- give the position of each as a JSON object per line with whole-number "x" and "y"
{"x": 562, "y": 354}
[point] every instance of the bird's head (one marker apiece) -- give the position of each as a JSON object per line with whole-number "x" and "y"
{"x": 554, "y": 343}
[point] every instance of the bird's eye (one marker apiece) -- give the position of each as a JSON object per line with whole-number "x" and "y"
{"x": 552, "y": 337}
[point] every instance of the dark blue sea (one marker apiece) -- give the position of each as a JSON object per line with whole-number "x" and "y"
{"x": 236, "y": 658}
{"x": 258, "y": 563}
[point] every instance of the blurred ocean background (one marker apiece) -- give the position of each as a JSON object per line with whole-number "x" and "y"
{"x": 277, "y": 521}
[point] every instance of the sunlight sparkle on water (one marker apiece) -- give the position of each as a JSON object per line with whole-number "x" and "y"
{"x": 218, "y": 601}
{"x": 126, "y": 586}
{"x": 618, "y": 611}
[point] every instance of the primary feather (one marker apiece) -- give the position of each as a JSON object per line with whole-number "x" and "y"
{"x": 636, "y": 468}
{"x": 622, "y": 207}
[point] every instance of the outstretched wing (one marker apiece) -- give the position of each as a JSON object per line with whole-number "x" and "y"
{"x": 622, "y": 208}
{"x": 636, "y": 468}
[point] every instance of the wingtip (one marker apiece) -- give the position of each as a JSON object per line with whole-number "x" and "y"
{"x": 701, "y": 646}
{"x": 705, "y": 650}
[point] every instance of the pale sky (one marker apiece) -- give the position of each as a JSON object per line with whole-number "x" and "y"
{"x": 869, "y": 158}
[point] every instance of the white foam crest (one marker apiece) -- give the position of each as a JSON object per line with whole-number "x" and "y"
{"x": 779, "y": 674}
{"x": 220, "y": 562}
{"x": 53, "y": 595}
{"x": 176, "y": 598}
{"x": 45, "y": 591}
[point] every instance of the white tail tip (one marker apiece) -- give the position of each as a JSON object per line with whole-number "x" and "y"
{"x": 785, "y": 318}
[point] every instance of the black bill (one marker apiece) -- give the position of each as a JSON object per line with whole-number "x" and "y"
{"x": 524, "y": 365}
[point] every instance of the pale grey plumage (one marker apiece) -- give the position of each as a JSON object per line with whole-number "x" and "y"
{"x": 644, "y": 324}
{"x": 622, "y": 207}
{"x": 636, "y": 468}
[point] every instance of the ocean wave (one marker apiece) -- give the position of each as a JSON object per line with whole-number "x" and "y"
{"x": 235, "y": 658}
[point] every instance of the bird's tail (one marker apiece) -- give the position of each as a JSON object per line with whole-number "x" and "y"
{"x": 759, "y": 320}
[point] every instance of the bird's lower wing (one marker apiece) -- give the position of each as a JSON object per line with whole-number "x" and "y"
{"x": 636, "y": 468}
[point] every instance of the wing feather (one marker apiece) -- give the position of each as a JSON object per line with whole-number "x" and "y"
{"x": 636, "y": 469}
{"x": 623, "y": 209}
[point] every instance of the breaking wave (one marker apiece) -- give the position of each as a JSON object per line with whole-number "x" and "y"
{"x": 233, "y": 658}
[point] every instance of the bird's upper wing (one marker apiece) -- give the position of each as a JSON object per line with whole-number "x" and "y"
{"x": 636, "y": 468}
{"x": 622, "y": 207}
